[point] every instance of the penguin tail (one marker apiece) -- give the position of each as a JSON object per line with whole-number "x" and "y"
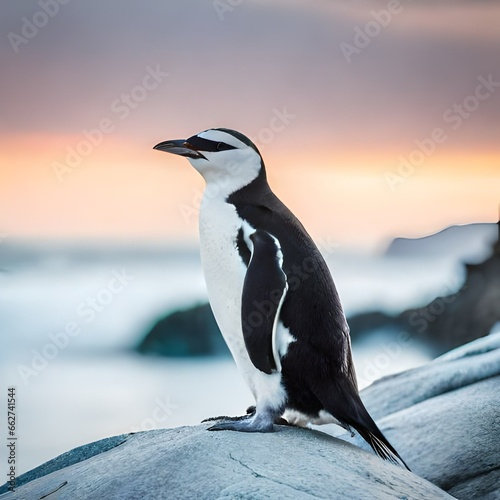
{"x": 347, "y": 407}
{"x": 380, "y": 444}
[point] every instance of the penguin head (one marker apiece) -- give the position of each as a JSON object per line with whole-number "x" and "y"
{"x": 222, "y": 156}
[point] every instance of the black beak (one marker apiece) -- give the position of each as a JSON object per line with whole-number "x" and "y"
{"x": 179, "y": 147}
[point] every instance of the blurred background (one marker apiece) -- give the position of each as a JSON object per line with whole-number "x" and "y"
{"x": 378, "y": 123}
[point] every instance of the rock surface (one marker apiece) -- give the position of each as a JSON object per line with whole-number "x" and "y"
{"x": 189, "y": 462}
{"x": 442, "y": 417}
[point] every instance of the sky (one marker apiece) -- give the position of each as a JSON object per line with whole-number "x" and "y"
{"x": 375, "y": 119}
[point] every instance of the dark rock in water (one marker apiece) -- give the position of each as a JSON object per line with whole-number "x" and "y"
{"x": 456, "y": 319}
{"x": 450, "y": 321}
{"x": 190, "y": 332}
{"x": 459, "y": 318}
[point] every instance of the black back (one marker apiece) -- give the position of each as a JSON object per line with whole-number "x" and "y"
{"x": 317, "y": 371}
{"x": 312, "y": 309}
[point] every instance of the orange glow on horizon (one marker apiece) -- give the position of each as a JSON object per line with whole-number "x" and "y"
{"x": 124, "y": 190}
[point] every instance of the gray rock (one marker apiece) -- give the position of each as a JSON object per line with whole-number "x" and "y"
{"x": 189, "y": 462}
{"x": 444, "y": 418}
{"x": 461, "y": 367}
{"x": 69, "y": 458}
{"x": 452, "y": 440}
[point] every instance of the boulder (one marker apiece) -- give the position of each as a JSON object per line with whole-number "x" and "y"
{"x": 442, "y": 417}
{"x": 189, "y": 462}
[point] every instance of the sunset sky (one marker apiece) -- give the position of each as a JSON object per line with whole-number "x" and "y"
{"x": 372, "y": 123}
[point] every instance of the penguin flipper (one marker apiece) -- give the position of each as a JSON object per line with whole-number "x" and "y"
{"x": 264, "y": 290}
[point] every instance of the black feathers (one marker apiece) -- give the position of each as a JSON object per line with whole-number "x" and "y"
{"x": 263, "y": 291}
{"x": 317, "y": 371}
{"x": 242, "y": 247}
{"x": 200, "y": 144}
{"x": 381, "y": 446}
{"x": 244, "y": 139}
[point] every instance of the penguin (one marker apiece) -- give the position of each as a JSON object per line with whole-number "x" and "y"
{"x": 273, "y": 297}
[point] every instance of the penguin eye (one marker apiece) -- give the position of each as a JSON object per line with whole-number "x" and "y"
{"x": 222, "y": 146}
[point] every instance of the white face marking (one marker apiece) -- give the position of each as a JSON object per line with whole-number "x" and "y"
{"x": 221, "y": 136}
{"x": 229, "y": 170}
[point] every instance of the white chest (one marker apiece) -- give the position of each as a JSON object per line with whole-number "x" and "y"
{"x": 225, "y": 275}
{"x": 224, "y": 270}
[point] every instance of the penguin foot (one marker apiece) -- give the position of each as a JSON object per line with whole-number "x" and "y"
{"x": 249, "y": 423}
